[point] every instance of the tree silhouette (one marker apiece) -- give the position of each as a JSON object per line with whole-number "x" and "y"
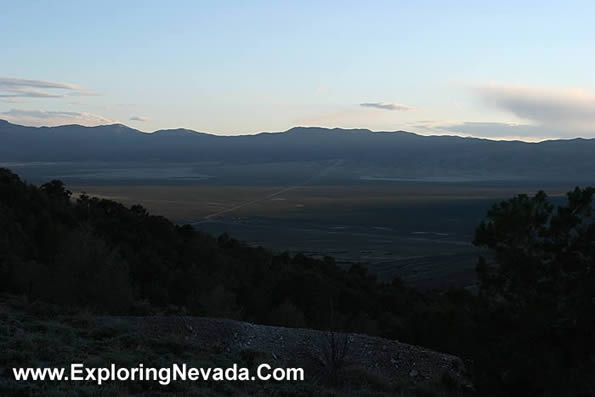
{"x": 539, "y": 288}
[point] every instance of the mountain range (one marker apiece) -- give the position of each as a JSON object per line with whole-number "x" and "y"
{"x": 361, "y": 153}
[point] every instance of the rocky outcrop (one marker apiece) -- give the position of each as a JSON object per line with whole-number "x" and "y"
{"x": 397, "y": 363}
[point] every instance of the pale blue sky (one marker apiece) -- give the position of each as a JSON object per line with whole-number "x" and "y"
{"x": 466, "y": 67}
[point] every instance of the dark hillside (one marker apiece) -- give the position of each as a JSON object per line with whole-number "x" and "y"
{"x": 528, "y": 331}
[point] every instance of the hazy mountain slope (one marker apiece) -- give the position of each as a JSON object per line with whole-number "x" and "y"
{"x": 380, "y": 154}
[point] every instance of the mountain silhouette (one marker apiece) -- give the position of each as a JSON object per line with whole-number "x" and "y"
{"x": 362, "y": 152}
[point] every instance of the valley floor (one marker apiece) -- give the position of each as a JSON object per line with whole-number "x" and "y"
{"x": 420, "y": 232}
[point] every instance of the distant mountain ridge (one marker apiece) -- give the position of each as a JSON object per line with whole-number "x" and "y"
{"x": 387, "y": 154}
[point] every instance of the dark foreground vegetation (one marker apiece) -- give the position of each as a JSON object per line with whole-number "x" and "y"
{"x": 528, "y": 330}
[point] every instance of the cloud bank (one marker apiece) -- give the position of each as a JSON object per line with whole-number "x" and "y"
{"x": 507, "y": 131}
{"x": 38, "y": 118}
{"x": 388, "y": 106}
{"x": 26, "y": 88}
{"x": 140, "y": 118}
{"x": 551, "y": 108}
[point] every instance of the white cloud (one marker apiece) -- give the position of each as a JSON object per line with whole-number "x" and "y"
{"x": 26, "y": 88}
{"x": 432, "y": 125}
{"x": 38, "y": 118}
{"x": 140, "y": 118}
{"x": 388, "y": 106}
{"x": 17, "y": 83}
{"x": 494, "y": 130}
{"x": 552, "y": 108}
{"x": 507, "y": 131}
{"x": 13, "y": 100}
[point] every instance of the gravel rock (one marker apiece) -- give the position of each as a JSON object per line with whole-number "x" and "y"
{"x": 399, "y": 363}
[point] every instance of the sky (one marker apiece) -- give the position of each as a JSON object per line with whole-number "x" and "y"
{"x": 501, "y": 69}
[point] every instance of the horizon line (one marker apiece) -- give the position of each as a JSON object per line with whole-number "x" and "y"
{"x": 304, "y": 127}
